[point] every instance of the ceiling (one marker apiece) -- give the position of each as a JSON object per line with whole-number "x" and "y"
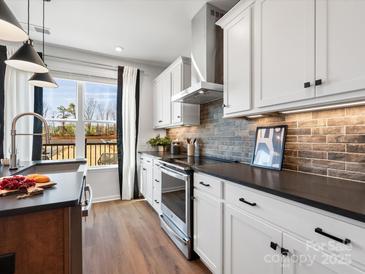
{"x": 151, "y": 30}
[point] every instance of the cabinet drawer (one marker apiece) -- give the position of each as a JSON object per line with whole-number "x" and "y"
{"x": 208, "y": 184}
{"x": 312, "y": 226}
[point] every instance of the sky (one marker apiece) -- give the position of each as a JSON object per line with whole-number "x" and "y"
{"x": 66, "y": 93}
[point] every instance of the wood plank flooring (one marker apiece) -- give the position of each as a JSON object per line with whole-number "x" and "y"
{"x": 124, "y": 237}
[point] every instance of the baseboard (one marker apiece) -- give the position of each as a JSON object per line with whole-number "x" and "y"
{"x": 106, "y": 199}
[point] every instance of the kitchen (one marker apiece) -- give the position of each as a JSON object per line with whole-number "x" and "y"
{"x": 239, "y": 149}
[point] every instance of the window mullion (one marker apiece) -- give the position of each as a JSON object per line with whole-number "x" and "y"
{"x": 80, "y": 132}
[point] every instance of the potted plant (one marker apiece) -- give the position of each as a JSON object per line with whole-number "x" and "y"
{"x": 160, "y": 142}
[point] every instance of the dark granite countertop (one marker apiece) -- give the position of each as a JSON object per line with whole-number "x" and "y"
{"x": 342, "y": 197}
{"x": 66, "y": 193}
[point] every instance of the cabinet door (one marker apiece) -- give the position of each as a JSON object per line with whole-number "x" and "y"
{"x": 285, "y": 51}
{"x": 208, "y": 212}
{"x": 247, "y": 242}
{"x": 143, "y": 179}
{"x": 340, "y": 45}
{"x": 149, "y": 182}
{"x": 305, "y": 259}
{"x": 156, "y": 192}
{"x": 166, "y": 100}
{"x": 237, "y": 64}
{"x": 176, "y": 87}
{"x": 157, "y": 103}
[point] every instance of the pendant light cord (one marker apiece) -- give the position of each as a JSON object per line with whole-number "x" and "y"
{"x": 43, "y": 54}
{"x": 28, "y": 15}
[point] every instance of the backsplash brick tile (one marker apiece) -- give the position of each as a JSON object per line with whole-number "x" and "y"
{"x": 327, "y": 142}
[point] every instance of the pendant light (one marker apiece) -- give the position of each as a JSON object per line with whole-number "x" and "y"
{"x": 10, "y": 29}
{"x": 26, "y": 58}
{"x": 44, "y": 80}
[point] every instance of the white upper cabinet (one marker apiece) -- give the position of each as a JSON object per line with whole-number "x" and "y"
{"x": 166, "y": 100}
{"x": 237, "y": 62}
{"x": 171, "y": 81}
{"x": 303, "y": 53}
{"x": 176, "y": 87}
{"x": 285, "y": 44}
{"x": 340, "y": 41}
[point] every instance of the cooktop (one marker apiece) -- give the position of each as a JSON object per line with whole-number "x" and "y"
{"x": 188, "y": 162}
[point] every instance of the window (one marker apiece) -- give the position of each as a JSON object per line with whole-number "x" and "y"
{"x": 82, "y": 119}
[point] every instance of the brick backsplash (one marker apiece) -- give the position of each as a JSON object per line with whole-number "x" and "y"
{"x": 328, "y": 142}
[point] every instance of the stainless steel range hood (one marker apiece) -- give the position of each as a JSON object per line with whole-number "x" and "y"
{"x": 206, "y": 59}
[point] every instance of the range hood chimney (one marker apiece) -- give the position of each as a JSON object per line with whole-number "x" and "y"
{"x": 206, "y": 59}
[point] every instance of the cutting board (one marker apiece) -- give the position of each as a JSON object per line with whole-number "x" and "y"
{"x": 44, "y": 186}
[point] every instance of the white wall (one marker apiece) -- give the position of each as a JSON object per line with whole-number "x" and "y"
{"x": 104, "y": 181}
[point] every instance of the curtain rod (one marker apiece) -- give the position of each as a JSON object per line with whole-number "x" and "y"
{"x": 94, "y": 64}
{"x": 77, "y": 61}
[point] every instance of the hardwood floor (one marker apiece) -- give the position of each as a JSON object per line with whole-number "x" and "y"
{"x": 124, "y": 237}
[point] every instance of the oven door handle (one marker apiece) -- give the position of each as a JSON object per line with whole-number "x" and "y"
{"x": 173, "y": 173}
{"x": 173, "y": 233}
{"x": 86, "y": 208}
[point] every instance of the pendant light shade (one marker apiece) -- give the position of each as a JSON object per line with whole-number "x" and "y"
{"x": 10, "y": 29}
{"x": 43, "y": 80}
{"x": 27, "y": 59}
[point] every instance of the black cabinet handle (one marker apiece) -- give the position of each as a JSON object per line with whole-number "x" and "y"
{"x": 157, "y": 181}
{"x": 246, "y": 202}
{"x": 321, "y": 232}
{"x": 204, "y": 184}
{"x": 307, "y": 84}
{"x": 273, "y": 245}
{"x": 157, "y": 202}
{"x": 318, "y": 82}
{"x": 284, "y": 251}
{"x": 160, "y": 121}
{"x": 144, "y": 169}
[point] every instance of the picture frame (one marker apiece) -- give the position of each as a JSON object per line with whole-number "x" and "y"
{"x": 269, "y": 147}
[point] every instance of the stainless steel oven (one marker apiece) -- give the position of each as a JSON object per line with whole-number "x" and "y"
{"x": 176, "y": 205}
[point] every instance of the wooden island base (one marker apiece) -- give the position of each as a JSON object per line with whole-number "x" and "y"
{"x": 47, "y": 241}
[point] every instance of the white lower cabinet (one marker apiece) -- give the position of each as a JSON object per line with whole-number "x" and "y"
{"x": 150, "y": 186}
{"x": 208, "y": 213}
{"x": 156, "y": 185}
{"x": 304, "y": 258}
{"x": 247, "y": 244}
{"x": 258, "y": 233}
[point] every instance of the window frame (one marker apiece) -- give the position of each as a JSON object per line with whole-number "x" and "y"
{"x": 80, "y": 120}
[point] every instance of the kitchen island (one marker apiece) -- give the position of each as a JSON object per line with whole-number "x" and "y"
{"x": 42, "y": 234}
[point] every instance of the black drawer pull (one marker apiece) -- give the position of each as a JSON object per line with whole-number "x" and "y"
{"x": 157, "y": 202}
{"x": 246, "y": 202}
{"x": 157, "y": 181}
{"x": 307, "y": 84}
{"x": 273, "y": 245}
{"x": 204, "y": 184}
{"x": 321, "y": 232}
{"x": 284, "y": 251}
{"x": 318, "y": 82}
{"x": 144, "y": 169}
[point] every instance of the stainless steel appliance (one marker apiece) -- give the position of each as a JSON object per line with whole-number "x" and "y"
{"x": 177, "y": 199}
{"x": 176, "y": 205}
{"x": 206, "y": 59}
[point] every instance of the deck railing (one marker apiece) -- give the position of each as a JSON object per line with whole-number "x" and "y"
{"x": 99, "y": 153}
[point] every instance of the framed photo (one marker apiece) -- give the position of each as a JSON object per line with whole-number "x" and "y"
{"x": 269, "y": 147}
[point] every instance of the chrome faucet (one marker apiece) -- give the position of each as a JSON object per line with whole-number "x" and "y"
{"x": 13, "y": 156}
